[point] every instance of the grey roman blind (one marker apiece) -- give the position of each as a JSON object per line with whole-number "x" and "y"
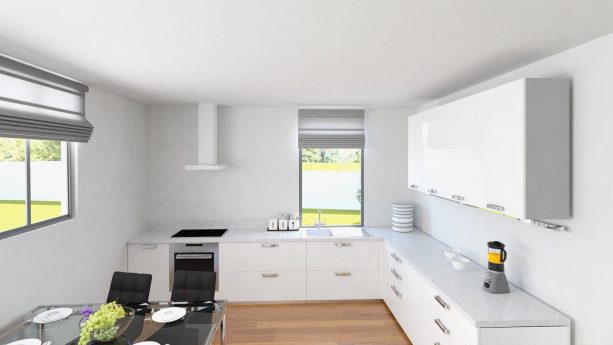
{"x": 37, "y": 104}
{"x": 331, "y": 128}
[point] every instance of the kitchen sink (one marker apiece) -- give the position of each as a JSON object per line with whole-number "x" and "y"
{"x": 337, "y": 232}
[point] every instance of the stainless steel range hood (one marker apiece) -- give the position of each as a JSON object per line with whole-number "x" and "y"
{"x": 207, "y": 139}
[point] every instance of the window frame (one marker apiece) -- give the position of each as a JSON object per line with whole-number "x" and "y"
{"x": 361, "y": 225}
{"x": 29, "y": 226}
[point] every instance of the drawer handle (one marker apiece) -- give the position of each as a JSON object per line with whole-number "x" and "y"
{"x": 194, "y": 256}
{"x": 398, "y": 276}
{"x": 437, "y": 343}
{"x": 342, "y": 274}
{"x": 148, "y": 246}
{"x": 270, "y": 275}
{"x": 495, "y": 207}
{"x": 442, "y": 302}
{"x": 440, "y": 325}
{"x": 432, "y": 191}
{"x": 270, "y": 245}
{"x": 396, "y": 291}
{"x": 414, "y": 186}
{"x": 342, "y": 244}
{"x": 395, "y": 257}
{"x": 457, "y": 197}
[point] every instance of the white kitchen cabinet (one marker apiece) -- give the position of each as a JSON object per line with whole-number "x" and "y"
{"x": 501, "y": 147}
{"x": 342, "y": 285}
{"x": 342, "y": 255}
{"x": 271, "y": 286}
{"x": 524, "y": 149}
{"x": 428, "y": 317}
{"x": 506, "y": 149}
{"x": 461, "y": 154}
{"x": 153, "y": 259}
{"x": 434, "y": 150}
{"x": 271, "y": 256}
{"x": 416, "y": 152}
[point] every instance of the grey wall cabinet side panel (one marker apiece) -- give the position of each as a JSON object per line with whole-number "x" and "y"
{"x": 548, "y": 141}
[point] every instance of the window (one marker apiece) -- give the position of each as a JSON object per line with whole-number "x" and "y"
{"x": 331, "y": 181}
{"x": 34, "y": 184}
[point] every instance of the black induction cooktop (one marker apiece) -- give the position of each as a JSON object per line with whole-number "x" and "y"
{"x": 200, "y": 233}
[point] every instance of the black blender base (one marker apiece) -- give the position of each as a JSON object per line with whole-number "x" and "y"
{"x": 496, "y": 282}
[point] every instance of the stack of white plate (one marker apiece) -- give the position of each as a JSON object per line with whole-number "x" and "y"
{"x": 402, "y": 217}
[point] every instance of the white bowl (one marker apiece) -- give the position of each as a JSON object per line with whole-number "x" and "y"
{"x": 459, "y": 262}
{"x": 451, "y": 253}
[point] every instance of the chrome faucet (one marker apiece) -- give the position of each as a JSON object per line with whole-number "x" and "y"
{"x": 319, "y": 223}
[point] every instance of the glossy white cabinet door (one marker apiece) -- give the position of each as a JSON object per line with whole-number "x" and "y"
{"x": 152, "y": 259}
{"x": 271, "y": 286}
{"x": 416, "y": 152}
{"x": 271, "y": 256}
{"x": 342, "y": 255}
{"x": 461, "y": 154}
{"x": 342, "y": 285}
{"x": 433, "y": 138}
{"x": 500, "y": 148}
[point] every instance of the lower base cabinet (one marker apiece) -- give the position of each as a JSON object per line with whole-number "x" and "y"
{"x": 428, "y": 319}
{"x": 299, "y": 271}
{"x": 152, "y": 259}
{"x": 340, "y": 285}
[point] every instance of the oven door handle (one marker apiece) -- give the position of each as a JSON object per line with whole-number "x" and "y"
{"x": 193, "y": 256}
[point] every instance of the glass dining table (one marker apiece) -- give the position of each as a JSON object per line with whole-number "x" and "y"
{"x": 199, "y": 326}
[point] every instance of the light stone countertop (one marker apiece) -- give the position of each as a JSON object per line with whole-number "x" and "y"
{"x": 425, "y": 254}
{"x": 237, "y": 235}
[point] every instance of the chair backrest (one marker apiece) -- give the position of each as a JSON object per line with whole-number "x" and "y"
{"x": 193, "y": 286}
{"x": 129, "y": 288}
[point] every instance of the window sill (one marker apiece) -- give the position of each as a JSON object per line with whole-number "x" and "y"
{"x": 28, "y": 228}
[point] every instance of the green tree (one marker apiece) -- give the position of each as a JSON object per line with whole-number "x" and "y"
{"x": 14, "y": 150}
{"x": 45, "y": 150}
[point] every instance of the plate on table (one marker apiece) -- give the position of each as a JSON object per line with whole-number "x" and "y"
{"x": 52, "y": 315}
{"x": 147, "y": 343}
{"x": 30, "y": 341}
{"x": 168, "y": 314}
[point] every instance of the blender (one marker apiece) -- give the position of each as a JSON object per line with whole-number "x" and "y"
{"x": 495, "y": 279}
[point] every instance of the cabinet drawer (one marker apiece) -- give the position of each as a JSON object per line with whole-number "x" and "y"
{"x": 459, "y": 326}
{"x": 271, "y": 256}
{"x": 342, "y": 255}
{"x": 337, "y": 285}
{"x": 271, "y": 286}
{"x": 439, "y": 307}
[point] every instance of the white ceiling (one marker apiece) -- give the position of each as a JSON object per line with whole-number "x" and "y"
{"x": 293, "y": 52}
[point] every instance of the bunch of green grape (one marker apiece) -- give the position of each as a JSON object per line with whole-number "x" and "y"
{"x": 101, "y": 324}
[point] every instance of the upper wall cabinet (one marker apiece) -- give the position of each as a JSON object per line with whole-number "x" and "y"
{"x": 506, "y": 149}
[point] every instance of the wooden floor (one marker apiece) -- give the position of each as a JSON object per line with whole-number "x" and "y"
{"x": 337, "y": 323}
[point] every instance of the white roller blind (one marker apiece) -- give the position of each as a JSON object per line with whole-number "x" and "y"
{"x": 37, "y": 104}
{"x": 331, "y": 128}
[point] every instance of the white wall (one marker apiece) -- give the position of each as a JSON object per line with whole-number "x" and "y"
{"x": 72, "y": 262}
{"x": 568, "y": 270}
{"x": 385, "y": 164}
{"x": 262, "y": 141}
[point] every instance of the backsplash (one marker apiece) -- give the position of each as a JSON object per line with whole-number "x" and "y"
{"x": 241, "y": 224}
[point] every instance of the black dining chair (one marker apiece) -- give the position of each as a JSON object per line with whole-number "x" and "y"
{"x": 129, "y": 288}
{"x": 193, "y": 286}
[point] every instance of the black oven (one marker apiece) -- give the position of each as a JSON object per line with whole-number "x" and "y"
{"x": 193, "y": 257}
